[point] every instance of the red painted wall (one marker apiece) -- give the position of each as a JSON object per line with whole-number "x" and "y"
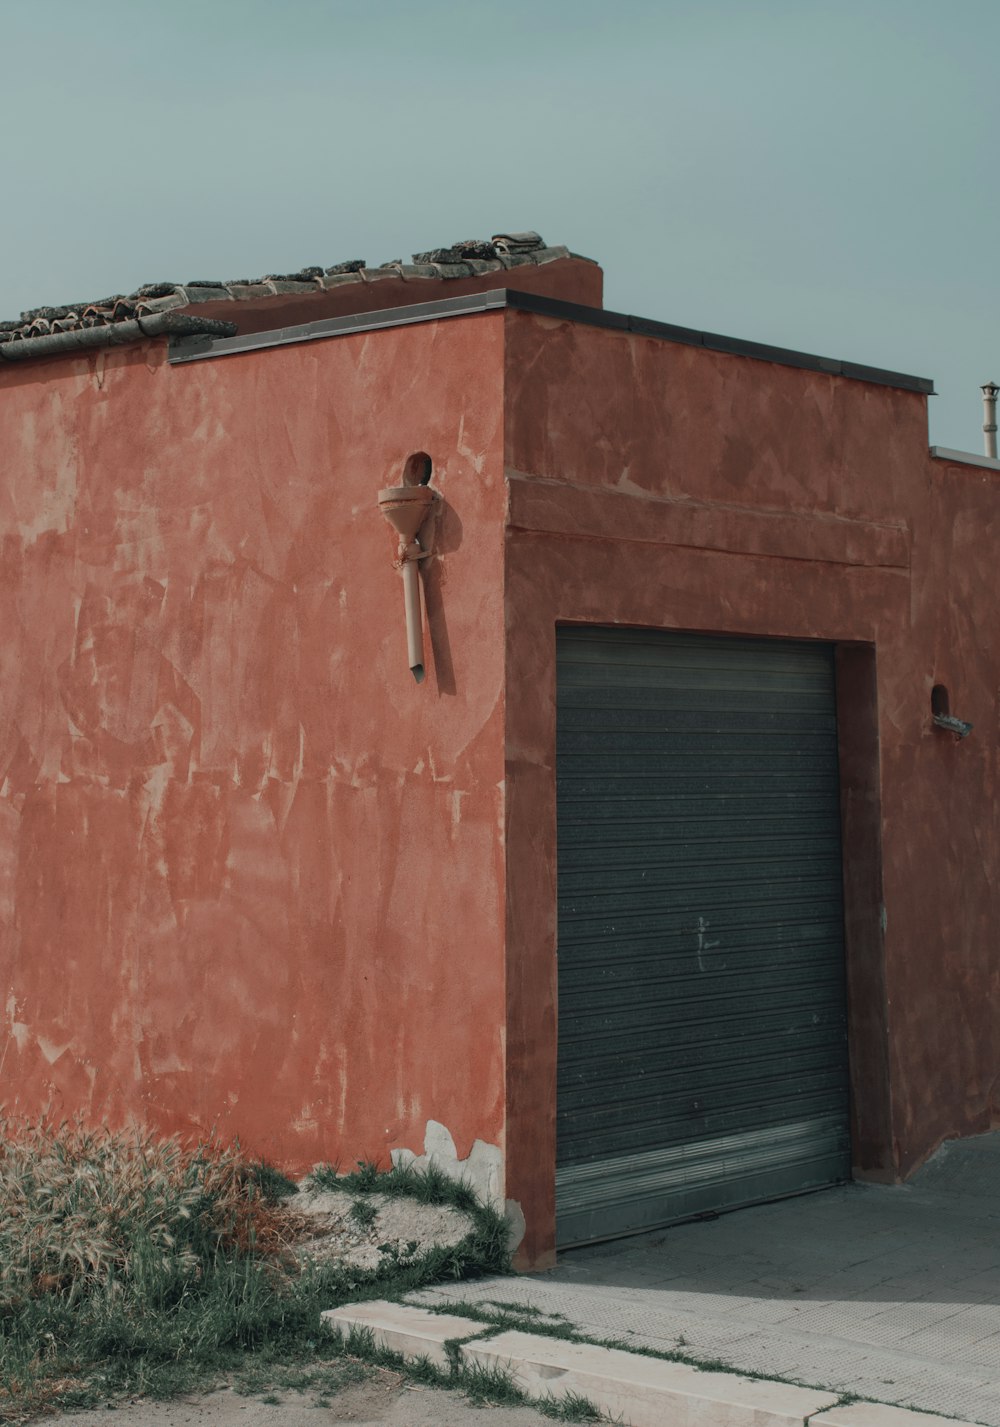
{"x": 670, "y": 486}
{"x": 250, "y": 872}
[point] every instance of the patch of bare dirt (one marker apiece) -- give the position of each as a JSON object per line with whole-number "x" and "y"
{"x": 331, "y": 1230}
{"x": 382, "y": 1399}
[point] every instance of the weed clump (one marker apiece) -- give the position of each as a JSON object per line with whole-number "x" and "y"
{"x": 427, "y": 1186}
{"x": 273, "y": 1185}
{"x": 364, "y": 1212}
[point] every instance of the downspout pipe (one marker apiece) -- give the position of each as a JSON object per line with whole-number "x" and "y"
{"x": 406, "y": 508}
{"x": 990, "y": 391}
{"x": 115, "y": 334}
{"x": 412, "y": 615}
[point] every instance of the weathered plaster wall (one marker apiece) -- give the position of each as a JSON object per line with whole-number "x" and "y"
{"x": 670, "y": 486}
{"x": 251, "y": 875}
{"x": 940, "y": 805}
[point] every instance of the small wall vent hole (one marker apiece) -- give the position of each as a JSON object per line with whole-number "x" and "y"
{"x": 940, "y": 703}
{"x": 417, "y": 469}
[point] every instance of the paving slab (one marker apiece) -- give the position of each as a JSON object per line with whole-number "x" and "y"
{"x": 412, "y": 1332}
{"x": 643, "y": 1392}
{"x": 889, "y": 1292}
{"x": 875, "y": 1414}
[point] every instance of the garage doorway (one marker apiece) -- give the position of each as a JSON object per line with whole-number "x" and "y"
{"x": 702, "y": 1061}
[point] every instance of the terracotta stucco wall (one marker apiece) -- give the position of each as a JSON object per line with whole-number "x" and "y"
{"x": 670, "y": 486}
{"x": 940, "y": 803}
{"x": 250, "y": 873}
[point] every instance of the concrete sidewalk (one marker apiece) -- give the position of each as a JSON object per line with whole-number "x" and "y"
{"x": 890, "y": 1293}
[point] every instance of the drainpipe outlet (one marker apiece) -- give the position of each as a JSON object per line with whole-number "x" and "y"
{"x": 406, "y": 508}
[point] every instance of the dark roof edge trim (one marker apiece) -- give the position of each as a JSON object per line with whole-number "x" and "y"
{"x": 115, "y": 334}
{"x": 200, "y": 348}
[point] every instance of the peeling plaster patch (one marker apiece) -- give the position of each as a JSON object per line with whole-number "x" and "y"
{"x": 482, "y": 1172}
{"x": 20, "y": 1032}
{"x": 437, "y": 777}
{"x": 438, "y": 1143}
{"x": 476, "y": 459}
{"x": 50, "y": 1049}
{"x": 169, "y": 1063}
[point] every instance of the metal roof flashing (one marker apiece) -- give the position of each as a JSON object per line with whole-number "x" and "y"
{"x": 965, "y": 458}
{"x": 200, "y": 348}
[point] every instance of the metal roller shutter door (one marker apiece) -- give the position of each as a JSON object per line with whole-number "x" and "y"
{"x": 702, "y": 1010}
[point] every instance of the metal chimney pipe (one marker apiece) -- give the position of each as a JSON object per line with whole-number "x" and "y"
{"x": 990, "y": 391}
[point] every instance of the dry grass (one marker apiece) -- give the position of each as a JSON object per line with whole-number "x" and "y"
{"x": 81, "y": 1208}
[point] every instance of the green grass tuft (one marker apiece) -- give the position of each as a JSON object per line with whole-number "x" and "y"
{"x": 429, "y": 1186}
{"x": 325, "y": 1176}
{"x": 364, "y": 1212}
{"x": 364, "y": 1179}
{"x": 572, "y": 1407}
{"x": 490, "y": 1385}
{"x": 272, "y": 1184}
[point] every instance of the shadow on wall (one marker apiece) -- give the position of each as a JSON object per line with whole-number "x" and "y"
{"x": 447, "y": 536}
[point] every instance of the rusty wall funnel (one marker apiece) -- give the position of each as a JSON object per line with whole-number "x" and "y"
{"x": 406, "y": 508}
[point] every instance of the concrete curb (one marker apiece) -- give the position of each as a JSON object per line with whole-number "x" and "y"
{"x": 631, "y": 1389}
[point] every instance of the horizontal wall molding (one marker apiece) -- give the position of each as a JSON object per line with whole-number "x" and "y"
{"x": 544, "y": 506}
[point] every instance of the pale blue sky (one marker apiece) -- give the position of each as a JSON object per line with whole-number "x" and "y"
{"x": 819, "y": 175}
